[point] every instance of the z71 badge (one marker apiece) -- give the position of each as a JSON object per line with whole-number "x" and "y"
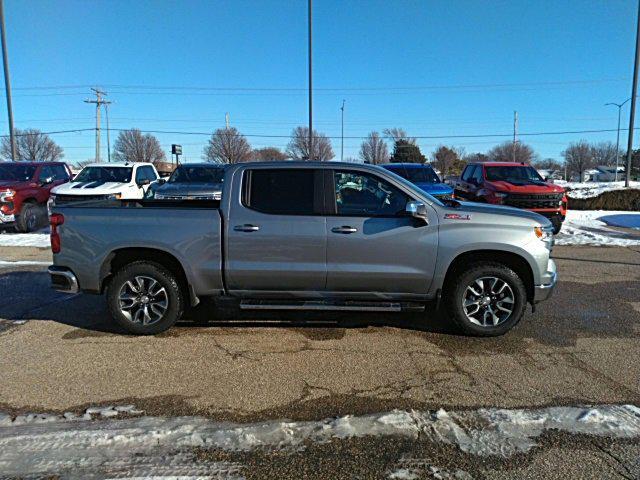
{"x": 456, "y": 216}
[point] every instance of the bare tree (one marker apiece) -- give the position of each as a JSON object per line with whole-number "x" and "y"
{"x": 548, "y": 164}
{"x": 604, "y": 153}
{"x": 267, "y": 154}
{"x": 578, "y": 158}
{"x": 227, "y": 145}
{"x": 448, "y": 160}
{"x": 396, "y": 134}
{"x": 134, "y": 146}
{"x": 475, "y": 158}
{"x": 32, "y": 145}
{"x": 510, "y": 152}
{"x": 373, "y": 150}
{"x": 298, "y": 148}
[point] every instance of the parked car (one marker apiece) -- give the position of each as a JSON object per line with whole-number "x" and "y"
{"x": 424, "y": 177}
{"x": 24, "y": 191}
{"x": 126, "y": 181}
{"x": 514, "y": 184}
{"x": 192, "y": 181}
{"x": 306, "y": 235}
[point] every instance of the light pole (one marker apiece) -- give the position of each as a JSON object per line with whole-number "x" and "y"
{"x": 342, "y": 133}
{"x": 310, "y": 85}
{"x": 619, "y": 105}
{"x": 7, "y": 83}
{"x": 632, "y": 115}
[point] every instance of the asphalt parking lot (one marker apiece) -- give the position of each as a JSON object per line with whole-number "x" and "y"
{"x": 580, "y": 348}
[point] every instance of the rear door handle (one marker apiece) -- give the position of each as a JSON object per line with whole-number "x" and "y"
{"x": 246, "y": 228}
{"x": 344, "y": 229}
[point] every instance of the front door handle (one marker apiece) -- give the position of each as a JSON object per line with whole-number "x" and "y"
{"x": 344, "y": 229}
{"x": 246, "y": 228}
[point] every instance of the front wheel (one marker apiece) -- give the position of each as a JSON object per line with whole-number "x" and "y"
{"x": 557, "y": 224}
{"x": 487, "y": 299}
{"x": 27, "y": 220}
{"x": 145, "y": 298}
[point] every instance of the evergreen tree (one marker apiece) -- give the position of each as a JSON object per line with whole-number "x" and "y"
{"x": 406, "y": 152}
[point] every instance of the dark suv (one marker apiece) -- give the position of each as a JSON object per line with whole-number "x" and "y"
{"x": 24, "y": 191}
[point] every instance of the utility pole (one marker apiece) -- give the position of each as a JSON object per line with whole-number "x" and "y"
{"x": 619, "y": 105}
{"x": 99, "y": 101}
{"x": 106, "y": 114}
{"x": 634, "y": 90}
{"x": 515, "y": 134}
{"x": 342, "y": 133}
{"x": 226, "y": 120}
{"x": 7, "y": 82}
{"x": 309, "y": 8}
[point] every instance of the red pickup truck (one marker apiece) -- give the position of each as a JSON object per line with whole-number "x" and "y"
{"x": 25, "y": 189}
{"x": 513, "y": 184}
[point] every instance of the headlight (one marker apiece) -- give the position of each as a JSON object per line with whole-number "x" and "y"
{"x": 7, "y": 195}
{"x": 159, "y": 196}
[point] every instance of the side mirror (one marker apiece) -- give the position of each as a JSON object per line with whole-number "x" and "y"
{"x": 417, "y": 210}
{"x": 162, "y": 181}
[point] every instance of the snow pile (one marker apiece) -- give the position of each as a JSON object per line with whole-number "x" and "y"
{"x": 592, "y": 189}
{"x": 592, "y": 227}
{"x": 40, "y": 240}
{"x": 164, "y": 446}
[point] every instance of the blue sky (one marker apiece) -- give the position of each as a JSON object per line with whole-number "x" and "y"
{"x": 435, "y": 68}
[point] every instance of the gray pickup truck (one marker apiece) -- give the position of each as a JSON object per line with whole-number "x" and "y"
{"x": 308, "y": 236}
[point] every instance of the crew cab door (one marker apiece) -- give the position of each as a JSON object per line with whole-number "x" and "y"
{"x": 276, "y": 233}
{"x": 373, "y": 246}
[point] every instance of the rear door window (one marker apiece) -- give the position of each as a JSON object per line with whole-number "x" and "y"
{"x": 281, "y": 191}
{"x": 468, "y": 172}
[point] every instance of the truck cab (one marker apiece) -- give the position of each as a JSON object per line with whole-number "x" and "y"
{"x": 25, "y": 188}
{"x": 513, "y": 184}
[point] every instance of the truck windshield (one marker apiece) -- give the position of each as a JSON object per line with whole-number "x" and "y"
{"x": 15, "y": 171}
{"x": 417, "y": 174}
{"x": 513, "y": 174}
{"x": 197, "y": 174}
{"x": 104, "y": 174}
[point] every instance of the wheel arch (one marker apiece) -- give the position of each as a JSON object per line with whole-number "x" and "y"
{"x": 119, "y": 258}
{"x": 515, "y": 262}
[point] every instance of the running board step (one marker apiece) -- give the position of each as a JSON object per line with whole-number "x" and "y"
{"x": 328, "y": 305}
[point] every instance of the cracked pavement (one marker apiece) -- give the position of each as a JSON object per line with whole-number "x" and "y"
{"x": 581, "y": 347}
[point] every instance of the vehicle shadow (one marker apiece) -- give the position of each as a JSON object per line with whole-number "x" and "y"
{"x": 33, "y": 299}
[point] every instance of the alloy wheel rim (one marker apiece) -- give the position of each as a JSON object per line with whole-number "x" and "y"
{"x": 488, "y": 301}
{"x": 143, "y": 300}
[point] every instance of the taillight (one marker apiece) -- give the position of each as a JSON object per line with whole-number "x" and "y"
{"x": 55, "y": 221}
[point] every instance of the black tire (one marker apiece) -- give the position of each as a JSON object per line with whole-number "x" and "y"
{"x": 454, "y": 297}
{"x": 557, "y": 224}
{"x": 164, "y": 278}
{"x": 27, "y": 221}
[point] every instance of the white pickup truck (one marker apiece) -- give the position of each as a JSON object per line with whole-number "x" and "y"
{"x": 125, "y": 181}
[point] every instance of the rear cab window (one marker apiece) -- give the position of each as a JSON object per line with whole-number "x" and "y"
{"x": 283, "y": 191}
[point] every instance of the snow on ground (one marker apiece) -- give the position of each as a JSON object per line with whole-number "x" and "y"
{"x": 156, "y": 446}
{"x": 24, "y": 240}
{"x": 592, "y": 227}
{"x": 592, "y": 189}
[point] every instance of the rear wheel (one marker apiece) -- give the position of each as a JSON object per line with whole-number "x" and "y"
{"x": 487, "y": 299}
{"x": 27, "y": 220}
{"x": 145, "y": 298}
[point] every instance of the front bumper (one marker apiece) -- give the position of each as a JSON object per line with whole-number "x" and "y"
{"x": 63, "y": 279}
{"x": 544, "y": 291}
